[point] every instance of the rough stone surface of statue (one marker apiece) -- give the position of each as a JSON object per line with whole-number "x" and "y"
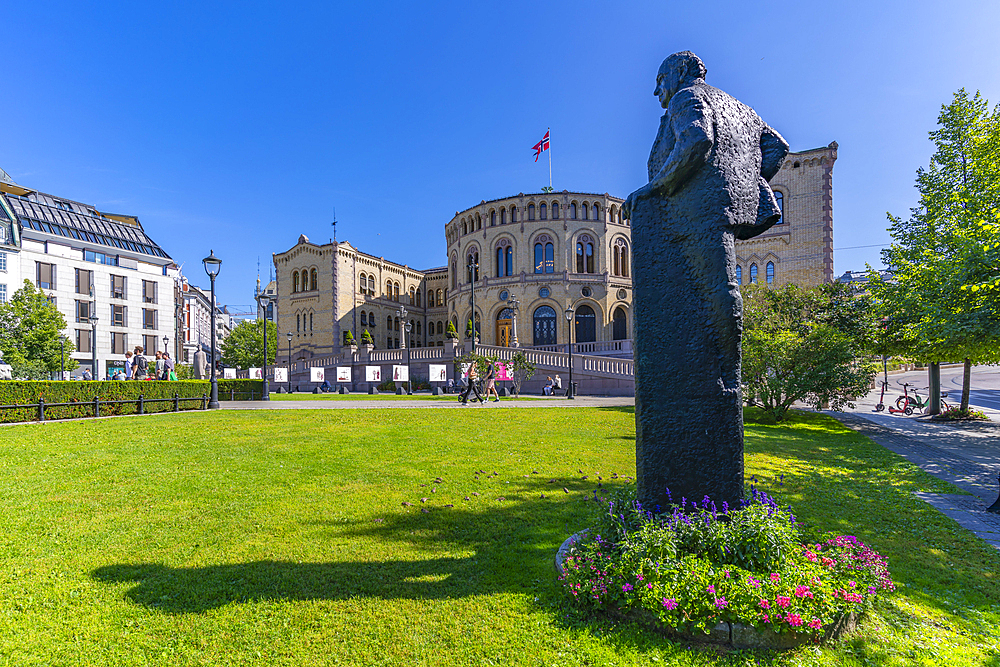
{"x": 199, "y": 366}
{"x": 708, "y": 186}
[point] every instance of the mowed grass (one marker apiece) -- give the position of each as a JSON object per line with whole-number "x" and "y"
{"x": 280, "y": 538}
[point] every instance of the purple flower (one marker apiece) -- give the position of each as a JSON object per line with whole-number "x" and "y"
{"x": 721, "y": 603}
{"x": 670, "y": 603}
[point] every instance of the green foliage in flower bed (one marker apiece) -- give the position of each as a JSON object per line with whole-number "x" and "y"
{"x": 240, "y": 390}
{"x": 28, "y": 392}
{"x": 958, "y": 414}
{"x": 696, "y": 566}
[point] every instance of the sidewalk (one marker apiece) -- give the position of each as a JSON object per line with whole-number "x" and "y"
{"x": 965, "y": 454}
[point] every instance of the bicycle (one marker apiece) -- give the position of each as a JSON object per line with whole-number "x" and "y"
{"x": 907, "y": 404}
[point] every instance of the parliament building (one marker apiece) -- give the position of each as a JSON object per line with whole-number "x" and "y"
{"x": 526, "y": 261}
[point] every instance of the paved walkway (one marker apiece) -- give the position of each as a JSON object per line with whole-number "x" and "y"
{"x": 450, "y": 403}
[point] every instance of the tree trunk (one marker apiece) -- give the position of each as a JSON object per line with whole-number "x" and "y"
{"x": 934, "y": 380}
{"x": 966, "y": 382}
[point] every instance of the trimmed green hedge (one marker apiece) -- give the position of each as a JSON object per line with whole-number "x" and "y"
{"x": 240, "y": 390}
{"x": 28, "y": 392}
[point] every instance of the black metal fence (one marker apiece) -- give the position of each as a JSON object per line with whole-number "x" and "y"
{"x": 139, "y": 402}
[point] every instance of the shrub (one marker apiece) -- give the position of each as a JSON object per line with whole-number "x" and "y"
{"x": 387, "y": 385}
{"x": 697, "y": 565}
{"x": 28, "y": 392}
{"x": 240, "y": 390}
{"x": 450, "y": 332}
{"x": 366, "y": 338}
{"x": 958, "y": 414}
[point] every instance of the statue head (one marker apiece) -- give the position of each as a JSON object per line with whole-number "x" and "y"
{"x": 676, "y": 72}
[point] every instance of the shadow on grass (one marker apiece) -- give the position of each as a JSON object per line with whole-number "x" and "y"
{"x": 480, "y": 547}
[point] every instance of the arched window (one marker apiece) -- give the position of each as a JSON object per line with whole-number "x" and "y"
{"x": 584, "y": 210}
{"x": 503, "y": 216}
{"x": 585, "y": 255}
{"x": 619, "y": 326}
{"x": 586, "y": 325}
{"x": 572, "y": 210}
{"x": 504, "y": 255}
{"x": 310, "y": 321}
{"x": 419, "y": 298}
{"x": 413, "y": 297}
{"x": 531, "y": 211}
{"x": 371, "y": 285}
{"x": 418, "y": 329}
{"x": 513, "y": 214}
{"x": 555, "y": 210}
{"x": 298, "y": 323}
{"x": 388, "y": 323}
{"x": 541, "y": 211}
{"x": 363, "y": 283}
{"x": 440, "y": 299}
{"x": 371, "y": 319}
{"x": 544, "y": 326}
{"x": 479, "y": 221}
{"x": 314, "y": 284}
{"x": 364, "y": 318}
{"x": 739, "y": 275}
{"x": 440, "y": 328}
{"x": 395, "y": 291}
{"x": 597, "y": 212}
{"x": 544, "y": 255}
{"x": 295, "y": 281}
{"x": 620, "y": 258}
{"x": 493, "y": 218}
{"x": 454, "y": 274}
{"x": 781, "y": 205}
{"x": 769, "y": 272}
{"x": 465, "y": 227}
{"x": 388, "y": 289}
{"x": 753, "y": 273}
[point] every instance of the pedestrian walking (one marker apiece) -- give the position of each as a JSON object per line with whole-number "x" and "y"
{"x": 491, "y": 381}
{"x": 140, "y": 365}
{"x": 470, "y": 380}
{"x": 168, "y": 367}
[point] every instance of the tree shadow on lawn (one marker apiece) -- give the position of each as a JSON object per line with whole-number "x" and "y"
{"x": 512, "y": 541}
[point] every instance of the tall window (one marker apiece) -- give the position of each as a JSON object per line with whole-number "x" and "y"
{"x": 83, "y": 311}
{"x": 363, "y": 283}
{"x": 45, "y": 275}
{"x": 295, "y": 281}
{"x": 298, "y": 324}
{"x": 118, "y": 287}
{"x": 572, "y": 210}
{"x": 781, "y": 205}
{"x": 364, "y": 318}
{"x": 531, "y": 211}
{"x": 84, "y": 281}
{"x": 119, "y": 317}
{"x": 504, "y": 258}
{"x": 620, "y": 258}
{"x": 150, "y": 344}
{"x": 508, "y": 254}
{"x": 541, "y": 211}
{"x": 310, "y": 321}
{"x": 503, "y": 216}
{"x": 413, "y": 297}
{"x": 3, "y": 293}
{"x": 3, "y": 261}
{"x": 419, "y": 299}
{"x": 597, "y": 212}
{"x": 619, "y": 327}
{"x": 440, "y": 298}
{"x": 555, "y": 210}
{"x": 584, "y": 210}
{"x": 493, "y": 218}
{"x": 586, "y": 325}
{"x": 753, "y": 273}
{"x": 585, "y": 255}
{"x": 148, "y": 318}
{"x": 513, "y": 214}
{"x": 314, "y": 284}
{"x": 148, "y": 291}
{"x": 83, "y": 340}
{"x": 769, "y": 272}
{"x": 454, "y": 274}
{"x": 388, "y": 289}
{"x": 739, "y": 275}
{"x": 119, "y": 343}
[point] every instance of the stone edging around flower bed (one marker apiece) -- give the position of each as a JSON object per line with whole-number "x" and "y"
{"x": 734, "y": 635}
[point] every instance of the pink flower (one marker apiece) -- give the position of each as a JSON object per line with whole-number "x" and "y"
{"x": 727, "y": 573}
{"x": 626, "y": 588}
{"x": 711, "y": 589}
{"x": 783, "y": 601}
{"x": 852, "y": 584}
{"x": 794, "y": 620}
{"x": 803, "y": 592}
{"x": 775, "y": 577}
{"x": 766, "y": 618}
{"x": 639, "y": 578}
{"x": 721, "y": 603}
{"x": 649, "y": 586}
{"x": 764, "y": 604}
{"x": 753, "y": 582}
{"x": 811, "y": 556}
{"x": 670, "y": 603}
{"x": 816, "y": 624}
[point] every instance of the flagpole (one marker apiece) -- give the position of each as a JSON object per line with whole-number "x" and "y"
{"x": 548, "y": 131}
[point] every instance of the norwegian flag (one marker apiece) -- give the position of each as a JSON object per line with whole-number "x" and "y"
{"x": 542, "y": 145}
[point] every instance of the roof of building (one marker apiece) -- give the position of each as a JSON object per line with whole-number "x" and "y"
{"x": 59, "y": 217}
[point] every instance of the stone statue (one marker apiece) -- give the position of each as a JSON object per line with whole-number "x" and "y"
{"x": 708, "y": 185}
{"x": 200, "y": 366}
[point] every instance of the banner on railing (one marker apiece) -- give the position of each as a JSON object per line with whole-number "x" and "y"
{"x": 343, "y": 373}
{"x": 228, "y": 373}
{"x": 255, "y": 374}
{"x": 501, "y": 370}
{"x": 281, "y": 375}
{"x": 373, "y": 373}
{"x": 400, "y": 374}
{"x": 316, "y": 374}
{"x": 438, "y": 372}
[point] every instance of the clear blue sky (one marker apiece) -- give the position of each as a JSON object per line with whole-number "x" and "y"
{"x": 239, "y": 126}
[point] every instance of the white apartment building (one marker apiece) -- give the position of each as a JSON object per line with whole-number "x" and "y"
{"x": 90, "y": 264}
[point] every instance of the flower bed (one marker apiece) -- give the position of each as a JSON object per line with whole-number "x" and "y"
{"x": 695, "y": 567}
{"x": 957, "y": 414}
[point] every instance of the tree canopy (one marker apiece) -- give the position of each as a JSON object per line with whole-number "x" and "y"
{"x": 30, "y": 330}
{"x": 244, "y": 346}
{"x": 943, "y": 300}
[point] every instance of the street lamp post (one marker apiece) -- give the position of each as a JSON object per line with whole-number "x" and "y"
{"x": 263, "y": 300}
{"x": 473, "y": 273}
{"x": 289, "y": 337}
{"x": 62, "y": 357}
{"x": 166, "y": 350}
{"x": 569, "y": 346}
{"x": 212, "y": 266}
{"x": 93, "y": 347}
{"x": 513, "y": 304}
{"x": 401, "y": 314}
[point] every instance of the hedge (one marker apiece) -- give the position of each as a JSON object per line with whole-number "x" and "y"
{"x": 28, "y": 392}
{"x": 240, "y": 390}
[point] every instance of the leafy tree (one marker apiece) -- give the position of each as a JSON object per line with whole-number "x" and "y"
{"x": 521, "y": 369}
{"x": 243, "y": 347}
{"x": 803, "y": 345}
{"x": 30, "y": 328}
{"x": 944, "y": 297}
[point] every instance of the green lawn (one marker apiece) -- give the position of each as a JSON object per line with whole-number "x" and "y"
{"x": 280, "y": 538}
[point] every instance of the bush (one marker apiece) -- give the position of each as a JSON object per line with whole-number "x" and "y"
{"x": 698, "y": 565}
{"x": 29, "y": 392}
{"x": 387, "y": 385}
{"x": 958, "y": 414}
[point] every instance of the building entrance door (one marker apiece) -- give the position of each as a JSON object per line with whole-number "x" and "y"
{"x": 504, "y": 322}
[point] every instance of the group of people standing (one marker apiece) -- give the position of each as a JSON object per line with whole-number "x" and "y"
{"x": 137, "y": 367}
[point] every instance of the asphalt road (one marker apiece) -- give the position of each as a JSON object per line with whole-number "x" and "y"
{"x": 984, "y": 389}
